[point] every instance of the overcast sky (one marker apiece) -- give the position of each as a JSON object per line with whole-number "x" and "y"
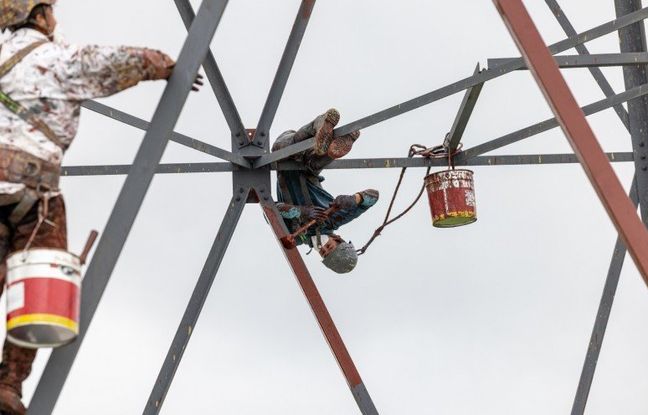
{"x": 493, "y": 318}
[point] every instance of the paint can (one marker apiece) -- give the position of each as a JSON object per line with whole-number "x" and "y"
{"x": 452, "y": 198}
{"x": 43, "y": 297}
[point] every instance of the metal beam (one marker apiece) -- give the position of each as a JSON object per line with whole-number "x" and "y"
{"x": 580, "y": 135}
{"x": 453, "y": 138}
{"x": 587, "y": 61}
{"x": 456, "y": 87}
{"x": 550, "y": 124}
{"x": 602, "y": 318}
{"x": 195, "y": 306}
{"x": 633, "y": 39}
{"x": 600, "y": 79}
{"x": 139, "y": 123}
{"x": 216, "y": 81}
{"x": 131, "y": 197}
{"x": 322, "y": 315}
{"x": 283, "y": 72}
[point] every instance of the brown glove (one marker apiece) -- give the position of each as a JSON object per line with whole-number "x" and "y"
{"x": 158, "y": 64}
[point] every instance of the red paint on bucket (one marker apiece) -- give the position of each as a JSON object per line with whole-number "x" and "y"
{"x": 452, "y": 198}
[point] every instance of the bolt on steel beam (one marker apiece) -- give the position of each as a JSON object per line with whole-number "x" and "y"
{"x": 586, "y": 61}
{"x": 351, "y": 374}
{"x": 139, "y": 123}
{"x": 456, "y": 133}
{"x": 600, "y": 79}
{"x": 283, "y": 73}
{"x": 456, "y": 87}
{"x": 131, "y": 198}
{"x": 577, "y": 130}
{"x": 195, "y": 305}
{"x": 215, "y": 77}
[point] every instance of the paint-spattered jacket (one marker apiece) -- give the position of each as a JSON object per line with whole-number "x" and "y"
{"x": 53, "y": 81}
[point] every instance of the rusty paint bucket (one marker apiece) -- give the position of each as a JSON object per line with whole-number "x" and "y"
{"x": 43, "y": 297}
{"x": 452, "y": 198}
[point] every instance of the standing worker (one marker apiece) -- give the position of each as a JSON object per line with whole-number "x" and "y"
{"x": 42, "y": 86}
{"x": 303, "y": 199}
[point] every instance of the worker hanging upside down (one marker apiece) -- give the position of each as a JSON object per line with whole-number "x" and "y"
{"x": 302, "y": 198}
{"x": 42, "y": 86}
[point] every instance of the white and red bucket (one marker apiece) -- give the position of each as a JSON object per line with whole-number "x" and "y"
{"x": 452, "y": 198}
{"x": 44, "y": 296}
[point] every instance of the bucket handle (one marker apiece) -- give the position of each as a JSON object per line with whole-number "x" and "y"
{"x": 88, "y": 246}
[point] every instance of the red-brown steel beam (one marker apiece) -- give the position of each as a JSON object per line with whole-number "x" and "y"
{"x": 322, "y": 315}
{"x": 581, "y": 137}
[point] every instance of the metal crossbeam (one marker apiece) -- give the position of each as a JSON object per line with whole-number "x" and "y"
{"x": 586, "y": 61}
{"x": 283, "y": 72}
{"x": 458, "y": 86}
{"x": 455, "y": 135}
{"x": 131, "y": 197}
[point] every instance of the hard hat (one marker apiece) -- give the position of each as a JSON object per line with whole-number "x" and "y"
{"x": 15, "y": 12}
{"x": 339, "y": 256}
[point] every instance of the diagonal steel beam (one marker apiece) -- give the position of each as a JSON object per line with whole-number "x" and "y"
{"x": 458, "y": 86}
{"x": 602, "y": 318}
{"x": 550, "y": 123}
{"x": 195, "y": 306}
{"x": 283, "y": 72}
{"x": 216, "y": 80}
{"x": 600, "y": 79}
{"x": 322, "y": 315}
{"x": 577, "y": 130}
{"x": 453, "y": 138}
{"x": 600, "y": 60}
{"x": 133, "y": 121}
{"x": 131, "y": 198}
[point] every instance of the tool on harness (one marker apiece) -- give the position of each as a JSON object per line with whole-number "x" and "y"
{"x": 434, "y": 192}
{"x": 43, "y": 296}
{"x": 290, "y": 241}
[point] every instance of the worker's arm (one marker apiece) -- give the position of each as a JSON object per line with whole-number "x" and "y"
{"x": 88, "y": 72}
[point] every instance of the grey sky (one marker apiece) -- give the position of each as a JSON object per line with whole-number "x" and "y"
{"x": 493, "y": 318}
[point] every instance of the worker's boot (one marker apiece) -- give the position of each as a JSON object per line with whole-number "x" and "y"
{"x": 10, "y": 403}
{"x": 324, "y": 126}
{"x": 341, "y": 146}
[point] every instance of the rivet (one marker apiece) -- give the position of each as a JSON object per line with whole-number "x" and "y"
{"x": 259, "y": 142}
{"x": 241, "y": 190}
{"x": 238, "y": 134}
{"x": 265, "y": 198}
{"x": 238, "y": 198}
{"x": 262, "y": 134}
{"x": 262, "y": 190}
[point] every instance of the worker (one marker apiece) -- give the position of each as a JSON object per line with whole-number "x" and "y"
{"x": 301, "y": 197}
{"x": 42, "y": 85}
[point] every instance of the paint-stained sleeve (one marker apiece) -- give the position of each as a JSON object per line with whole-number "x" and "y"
{"x": 87, "y": 72}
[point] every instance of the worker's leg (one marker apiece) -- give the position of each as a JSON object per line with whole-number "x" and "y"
{"x": 342, "y": 217}
{"x": 17, "y": 361}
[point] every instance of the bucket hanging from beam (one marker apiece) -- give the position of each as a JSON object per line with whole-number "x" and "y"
{"x": 452, "y": 198}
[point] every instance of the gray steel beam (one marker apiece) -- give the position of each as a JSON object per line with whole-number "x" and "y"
{"x": 633, "y": 39}
{"x": 216, "y": 81}
{"x": 283, "y": 72}
{"x": 131, "y": 198}
{"x": 602, "y": 318}
{"x": 371, "y": 163}
{"x": 600, "y": 79}
{"x": 587, "y": 61}
{"x": 195, "y": 306}
{"x": 550, "y": 123}
{"x": 459, "y": 86}
{"x": 139, "y": 123}
{"x": 453, "y": 138}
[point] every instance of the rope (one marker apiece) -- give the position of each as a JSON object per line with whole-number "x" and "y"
{"x": 436, "y": 152}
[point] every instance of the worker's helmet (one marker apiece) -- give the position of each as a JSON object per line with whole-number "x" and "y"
{"x": 16, "y": 12}
{"x": 338, "y": 255}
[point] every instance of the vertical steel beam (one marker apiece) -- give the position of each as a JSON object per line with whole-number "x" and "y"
{"x": 196, "y": 303}
{"x": 600, "y": 79}
{"x": 283, "y": 72}
{"x": 633, "y": 39}
{"x": 131, "y": 197}
{"x": 580, "y": 135}
{"x": 216, "y": 81}
{"x": 322, "y": 315}
{"x": 602, "y": 318}
{"x": 471, "y": 96}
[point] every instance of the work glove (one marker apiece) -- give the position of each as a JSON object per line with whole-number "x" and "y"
{"x": 345, "y": 202}
{"x": 313, "y": 213}
{"x": 163, "y": 65}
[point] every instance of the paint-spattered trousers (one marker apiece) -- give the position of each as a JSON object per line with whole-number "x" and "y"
{"x": 17, "y": 361}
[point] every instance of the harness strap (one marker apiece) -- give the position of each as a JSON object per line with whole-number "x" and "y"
{"x": 15, "y": 107}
